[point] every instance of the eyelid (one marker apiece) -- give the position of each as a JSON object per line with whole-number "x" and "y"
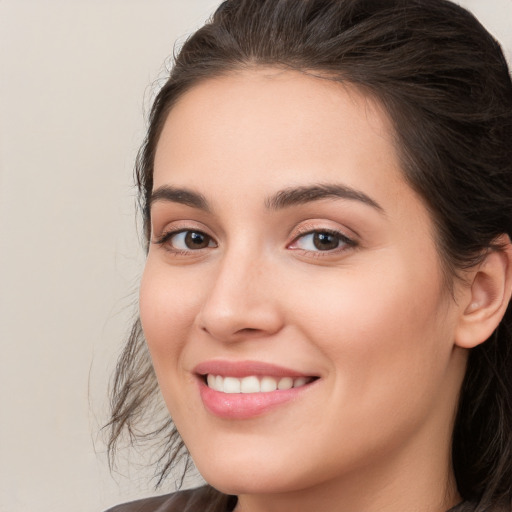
{"x": 177, "y": 226}
{"x": 172, "y": 229}
{"x": 311, "y": 228}
{"x": 307, "y": 228}
{"x": 168, "y": 245}
{"x": 319, "y": 225}
{"x": 347, "y": 241}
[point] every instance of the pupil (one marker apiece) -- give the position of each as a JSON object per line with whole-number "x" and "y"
{"x": 195, "y": 240}
{"x": 325, "y": 241}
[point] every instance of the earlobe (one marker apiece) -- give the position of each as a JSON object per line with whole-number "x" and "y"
{"x": 487, "y": 296}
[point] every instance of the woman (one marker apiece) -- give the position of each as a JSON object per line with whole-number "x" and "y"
{"x": 327, "y": 193}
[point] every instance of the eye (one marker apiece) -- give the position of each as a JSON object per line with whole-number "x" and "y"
{"x": 321, "y": 240}
{"x": 187, "y": 240}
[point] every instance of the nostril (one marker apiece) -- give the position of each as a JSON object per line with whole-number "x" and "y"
{"x": 248, "y": 332}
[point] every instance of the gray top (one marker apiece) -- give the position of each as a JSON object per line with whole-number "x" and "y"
{"x": 202, "y": 499}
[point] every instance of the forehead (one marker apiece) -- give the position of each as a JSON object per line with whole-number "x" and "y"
{"x": 268, "y": 128}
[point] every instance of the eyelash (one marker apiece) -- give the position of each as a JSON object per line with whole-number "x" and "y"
{"x": 165, "y": 239}
{"x": 345, "y": 242}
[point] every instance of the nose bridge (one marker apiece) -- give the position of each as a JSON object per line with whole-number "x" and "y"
{"x": 241, "y": 299}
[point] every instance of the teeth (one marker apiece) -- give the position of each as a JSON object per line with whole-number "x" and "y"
{"x": 250, "y": 385}
{"x": 285, "y": 383}
{"x": 231, "y": 385}
{"x": 301, "y": 381}
{"x": 253, "y": 384}
{"x": 268, "y": 384}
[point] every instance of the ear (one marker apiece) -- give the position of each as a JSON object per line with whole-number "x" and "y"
{"x": 487, "y": 297}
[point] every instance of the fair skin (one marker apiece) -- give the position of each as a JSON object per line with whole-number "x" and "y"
{"x": 343, "y": 291}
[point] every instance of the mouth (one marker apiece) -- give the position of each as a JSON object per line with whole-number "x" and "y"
{"x": 247, "y": 389}
{"x": 254, "y": 383}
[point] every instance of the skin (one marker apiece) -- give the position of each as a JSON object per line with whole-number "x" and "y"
{"x": 371, "y": 318}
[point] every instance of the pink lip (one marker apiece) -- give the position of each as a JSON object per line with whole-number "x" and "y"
{"x": 242, "y": 369}
{"x": 246, "y": 405}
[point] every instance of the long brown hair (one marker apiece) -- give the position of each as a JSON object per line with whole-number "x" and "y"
{"x": 445, "y": 84}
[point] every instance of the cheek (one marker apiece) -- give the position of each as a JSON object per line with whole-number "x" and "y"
{"x": 168, "y": 307}
{"x": 389, "y": 353}
{"x": 167, "y": 312}
{"x": 383, "y": 330}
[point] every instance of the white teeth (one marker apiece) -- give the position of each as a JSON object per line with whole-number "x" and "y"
{"x": 219, "y": 383}
{"x": 231, "y": 385}
{"x": 285, "y": 383}
{"x": 301, "y": 381}
{"x": 268, "y": 384}
{"x": 250, "y": 385}
{"x": 253, "y": 384}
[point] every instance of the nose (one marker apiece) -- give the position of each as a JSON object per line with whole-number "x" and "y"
{"x": 242, "y": 300}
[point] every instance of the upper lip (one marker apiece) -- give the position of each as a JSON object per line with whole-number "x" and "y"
{"x": 242, "y": 369}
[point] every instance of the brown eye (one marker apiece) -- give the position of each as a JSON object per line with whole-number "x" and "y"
{"x": 196, "y": 240}
{"x": 188, "y": 240}
{"x": 322, "y": 241}
{"x": 325, "y": 241}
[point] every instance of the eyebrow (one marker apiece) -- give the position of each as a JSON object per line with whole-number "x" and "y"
{"x": 306, "y": 194}
{"x": 179, "y": 195}
{"x": 285, "y": 198}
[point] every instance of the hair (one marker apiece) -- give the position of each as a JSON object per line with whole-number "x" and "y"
{"x": 445, "y": 85}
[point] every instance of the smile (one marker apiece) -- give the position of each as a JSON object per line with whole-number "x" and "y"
{"x": 254, "y": 384}
{"x": 241, "y": 390}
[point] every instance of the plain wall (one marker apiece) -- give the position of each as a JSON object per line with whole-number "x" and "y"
{"x": 76, "y": 78}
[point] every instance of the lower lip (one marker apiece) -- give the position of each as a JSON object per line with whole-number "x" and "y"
{"x": 246, "y": 405}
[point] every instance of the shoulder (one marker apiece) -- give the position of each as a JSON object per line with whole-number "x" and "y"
{"x": 154, "y": 504}
{"x": 202, "y": 499}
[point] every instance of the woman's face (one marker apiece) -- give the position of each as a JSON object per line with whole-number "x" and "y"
{"x": 287, "y": 250}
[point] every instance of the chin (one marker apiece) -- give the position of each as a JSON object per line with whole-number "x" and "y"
{"x": 251, "y": 481}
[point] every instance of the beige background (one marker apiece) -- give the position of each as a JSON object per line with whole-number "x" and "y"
{"x": 75, "y": 80}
